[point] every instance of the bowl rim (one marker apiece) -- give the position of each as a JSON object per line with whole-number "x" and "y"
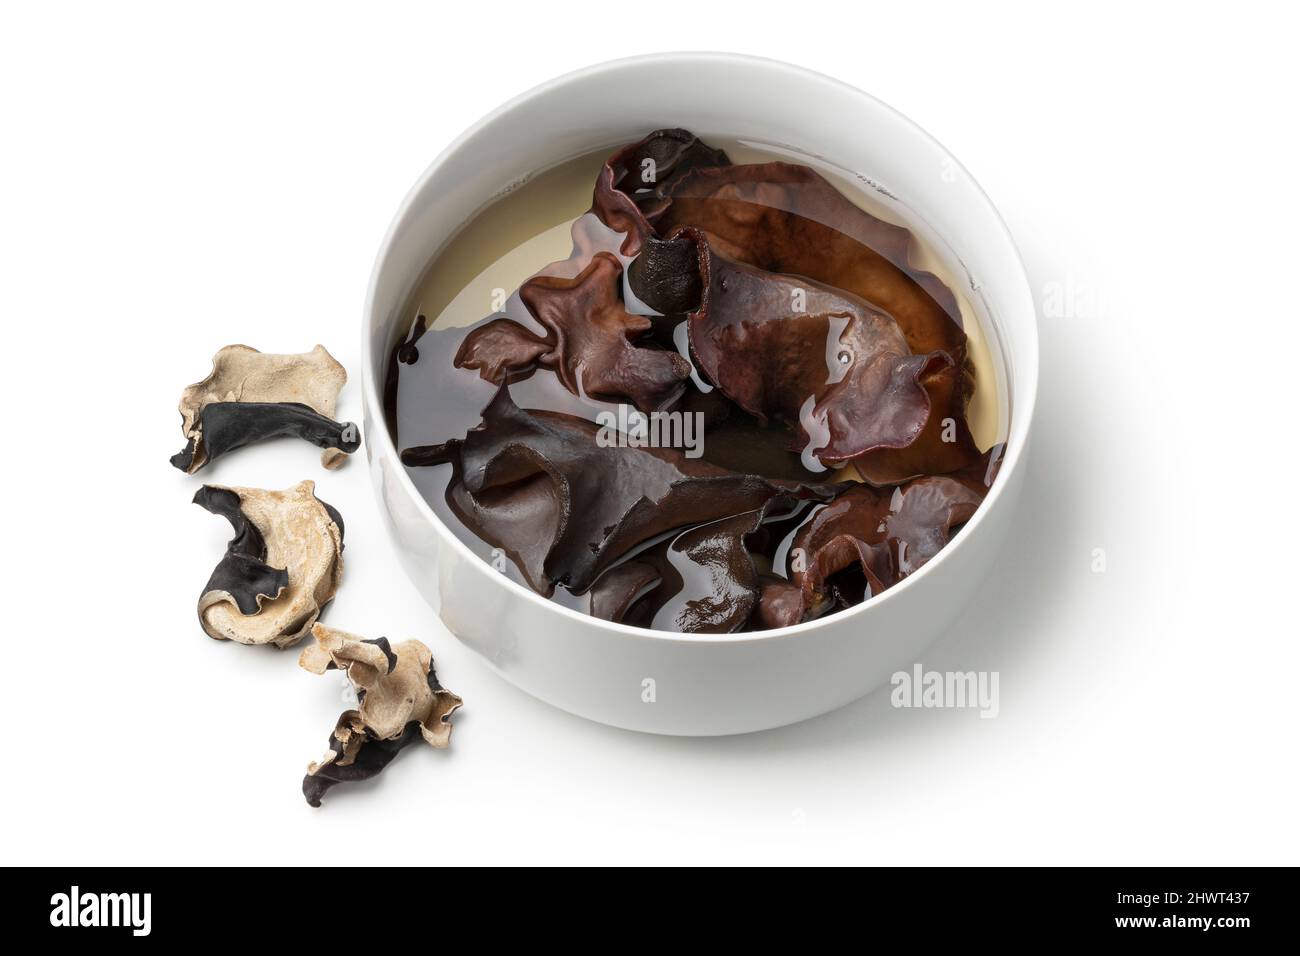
{"x": 378, "y": 441}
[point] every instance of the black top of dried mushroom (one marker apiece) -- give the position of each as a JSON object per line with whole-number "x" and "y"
{"x": 252, "y": 396}
{"x": 824, "y": 379}
{"x": 399, "y": 702}
{"x": 279, "y": 571}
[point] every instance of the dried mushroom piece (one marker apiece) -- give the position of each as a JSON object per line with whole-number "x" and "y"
{"x": 400, "y": 701}
{"x": 591, "y": 341}
{"x": 599, "y": 501}
{"x": 251, "y": 396}
{"x": 281, "y": 568}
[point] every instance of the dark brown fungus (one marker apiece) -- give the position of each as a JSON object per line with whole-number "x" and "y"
{"x": 704, "y": 579}
{"x": 500, "y": 348}
{"x": 786, "y": 218}
{"x": 242, "y": 573}
{"x": 633, "y": 182}
{"x": 607, "y": 498}
{"x": 701, "y": 580}
{"x": 813, "y": 342}
{"x": 408, "y": 353}
{"x": 590, "y": 343}
{"x": 882, "y": 535}
{"x": 826, "y": 363}
{"x": 279, "y": 571}
{"x": 945, "y": 444}
{"x": 399, "y": 702}
{"x": 780, "y": 603}
{"x": 520, "y": 518}
{"x": 251, "y": 396}
{"x": 666, "y": 275}
{"x": 719, "y": 583}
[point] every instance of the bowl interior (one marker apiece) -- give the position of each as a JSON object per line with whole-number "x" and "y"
{"x": 730, "y": 97}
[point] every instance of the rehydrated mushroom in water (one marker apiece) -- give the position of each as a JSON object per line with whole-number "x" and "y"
{"x": 825, "y": 362}
{"x": 813, "y": 341}
{"x": 587, "y": 503}
{"x": 786, "y": 218}
{"x": 868, "y": 539}
{"x": 251, "y": 396}
{"x": 702, "y": 580}
{"x": 591, "y": 341}
{"x": 633, "y": 182}
{"x": 279, "y": 571}
{"x": 399, "y": 700}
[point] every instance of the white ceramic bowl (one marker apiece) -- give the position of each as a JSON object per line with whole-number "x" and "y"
{"x": 702, "y": 684}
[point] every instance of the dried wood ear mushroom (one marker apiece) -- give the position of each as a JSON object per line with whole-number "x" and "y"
{"x": 251, "y": 396}
{"x": 279, "y": 571}
{"x": 399, "y": 697}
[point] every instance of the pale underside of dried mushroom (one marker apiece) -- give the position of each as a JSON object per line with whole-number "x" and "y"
{"x": 280, "y": 570}
{"x": 250, "y": 396}
{"x": 400, "y": 699}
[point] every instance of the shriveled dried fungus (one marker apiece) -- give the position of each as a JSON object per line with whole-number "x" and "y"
{"x": 279, "y": 571}
{"x": 251, "y": 396}
{"x": 399, "y": 701}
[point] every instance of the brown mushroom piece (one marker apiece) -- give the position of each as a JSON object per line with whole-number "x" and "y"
{"x": 281, "y": 568}
{"x": 780, "y": 604}
{"x": 606, "y": 500}
{"x": 399, "y": 698}
{"x": 945, "y": 443}
{"x": 783, "y": 217}
{"x": 716, "y": 584}
{"x": 787, "y": 218}
{"x": 702, "y": 580}
{"x": 591, "y": 341}
{"x": 252, "y": 396}
{"x": 634, "y": 181}
{"x": 868, "y": 539}
{"x": 826, "y": 363}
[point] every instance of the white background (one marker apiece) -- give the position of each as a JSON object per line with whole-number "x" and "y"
{"x": 174, "y": 180}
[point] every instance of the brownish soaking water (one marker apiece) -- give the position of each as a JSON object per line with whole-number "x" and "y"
{"x": 535, "y": 229}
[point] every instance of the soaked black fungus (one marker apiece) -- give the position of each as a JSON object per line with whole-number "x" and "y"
{"x": 826, "y": 378}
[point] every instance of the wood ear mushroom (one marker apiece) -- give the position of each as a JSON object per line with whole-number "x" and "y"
{"x": 400, "y": 702}
{"x": 252, "y": 396}
{"x": 279, "y": 571}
